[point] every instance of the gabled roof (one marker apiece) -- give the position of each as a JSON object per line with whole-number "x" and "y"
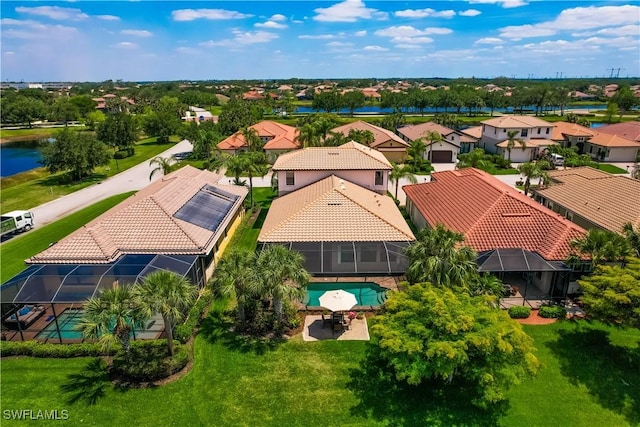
{"x": 604, "y": 199}
{"x": 563, "y": 129}
{"x": 510, "y": 122}
{"x": 334, "y": 210}
{"x": 380, "y": 135}
{"x": 474, "y": 132}
{"x": 349, "y": 156}
{"x": 628, "y": 130}
{"x": 281, "y": 137}
{"x": 606, "y": 140}
{"x": 414, "y": 132}
{"x": 146, "y": 222}
{"x": 491, "y": 214}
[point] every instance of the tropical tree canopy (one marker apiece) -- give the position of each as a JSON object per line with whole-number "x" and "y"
{"x": 399, "y": 172}
{"x": 163, "y": 165}
{"x": 236, "y": 275}
{"x": 600, "y": 246}
{"x": 433, "y": 334}
{"x": 612, "y": 293}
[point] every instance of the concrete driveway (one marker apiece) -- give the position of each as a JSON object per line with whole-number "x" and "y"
{"x": 132, "y": 179}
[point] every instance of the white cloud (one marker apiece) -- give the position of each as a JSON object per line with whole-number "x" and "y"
{"x": 125, "y": 45}
{"x": 445, "y": 14}
{"x": 210, "y": 14}
{"x": 137, "y": 33}
{"x": 375, "y": 48}
{"x": 321, "y": 36}
{"x": 423, "y": 13}
{"x": 278, "y": 17}
{"x": 243, "y": 38}
{"x": 270, "y": 24}
{"x": 108, "y": 17}
{"x": 407, "y": 46}
{"x": 18, "y": 22}
{"x": 576, "y": 19}
{"x": 414, "y": 40}
{"x": 626, "y": 30}
{"x": 489, "y": 40}
{"x": 297, "y": 21}
{"x": 9, "y": 53}
{"x": 348, "y": 11}
{"x": 470, "y": 12}
{"x": 31, "y": 30}
{"x": 410, "y": 31}
{"x": 360, "y": 33}
{"x": 339, "y": 44}
{"x": 504, "y": 3}
{"x": 54, "y": 12}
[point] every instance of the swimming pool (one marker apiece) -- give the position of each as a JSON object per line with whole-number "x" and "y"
{"x": 367, "y": 293}
{"x": 68, "y": 319}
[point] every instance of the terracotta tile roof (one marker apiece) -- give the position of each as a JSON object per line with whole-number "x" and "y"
{"x": 491, "y": 214}
{"x": 516, "y": 122}
{"x": 606, "y": 140}
{"x": 334, "y": 210}
{"x": 604, "y": 199}
{"x": 414, "y": 132}
{"x": 474, "y": 132}
{"x": 628, "y": 130}
{"x": 533, "y": 142}
{"x": 570, "y": 129}
{"x": 380, "y": 135}
{"x": 145, "y": 223}
{"x": 349, "y": 156}
{"x": 281, "y": 137}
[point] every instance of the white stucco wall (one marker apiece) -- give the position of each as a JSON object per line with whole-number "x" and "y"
{"x": 363, "y": 178}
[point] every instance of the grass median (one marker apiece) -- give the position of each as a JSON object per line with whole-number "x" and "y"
{"x": 15, "y": 251}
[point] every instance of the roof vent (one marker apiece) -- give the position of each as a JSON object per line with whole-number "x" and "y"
{"x": 334, "y": 204}
{"x": 333, "y": 153}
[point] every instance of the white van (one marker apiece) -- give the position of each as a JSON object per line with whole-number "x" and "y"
{"x": 557, "y": 159}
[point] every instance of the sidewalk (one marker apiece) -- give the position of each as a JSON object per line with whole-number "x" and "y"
{"x": 132, "y": 179}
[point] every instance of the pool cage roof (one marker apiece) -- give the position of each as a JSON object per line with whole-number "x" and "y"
{"x": 350, "y": 258}
{"x": 506, "y": 260}
{"x": 72, "y": 283}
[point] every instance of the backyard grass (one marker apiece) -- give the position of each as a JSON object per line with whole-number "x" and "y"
{"x": 606, "y": 167}
{"x": 26, "y": 134}
{"x": 15, "y": 251}
{"x": 37, "y": 186}
{"x": 590, "y": 377}
{"x": 246, "y": 237}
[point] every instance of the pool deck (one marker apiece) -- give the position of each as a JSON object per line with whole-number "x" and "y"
{"x": 314, "y": 330}
{"x": 388, "y": 282}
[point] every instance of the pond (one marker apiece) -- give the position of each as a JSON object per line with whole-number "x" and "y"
{"x": 374, "y": 109}
{"x": 16, "y": 157}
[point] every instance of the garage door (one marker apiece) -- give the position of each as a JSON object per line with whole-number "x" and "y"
{"x": 441, "y": 156}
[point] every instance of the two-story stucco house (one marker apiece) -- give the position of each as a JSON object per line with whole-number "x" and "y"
{"x": 353, "y": 162}
{"x": 535, "y": 132}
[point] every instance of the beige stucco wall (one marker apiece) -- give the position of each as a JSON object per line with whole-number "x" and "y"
{"x": 363, "y": 178}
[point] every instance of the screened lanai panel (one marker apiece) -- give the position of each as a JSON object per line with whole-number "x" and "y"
{"x": 205, "y": 209}
{"x": 10, "y": 289}
{"x": 169, "y": 263}
{"x": 312, "y": 253}
{"x": 135, "y": 259}
{"x": 39, "y": 289}
{"x": 80, "y": 284}
{"x": 371, "y": 257}
{"x": 339, "y": 258}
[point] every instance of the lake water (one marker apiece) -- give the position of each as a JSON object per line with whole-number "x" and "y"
{"x": 374, "y": 109}
{"x": 18, "y": 157}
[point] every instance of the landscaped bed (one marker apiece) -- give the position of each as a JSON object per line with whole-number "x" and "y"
{"x": 590, "y": 377}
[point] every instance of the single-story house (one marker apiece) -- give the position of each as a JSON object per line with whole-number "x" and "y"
{"x": 352, "y": 161}
{"x": 180, "y": 223}
{"x": 388, "y": 143}
{"x": 340, "y": 228}
{"x": 593, "y": 199}
{"x": 197, "y": 114}
{"x": 445, "y": 151}
{"x": 515, "y": 237}
{"x": 278, "y": 138}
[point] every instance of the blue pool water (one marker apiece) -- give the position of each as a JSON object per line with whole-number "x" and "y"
{"x": 367, "y": 293}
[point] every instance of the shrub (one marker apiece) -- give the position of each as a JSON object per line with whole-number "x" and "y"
{"x": 184, "y": 331}
{"x": 149, "y": 361}
{"x": 552, "y": 311}
{"x": 38, "y": 349}
{"x": 519, "y": 312}
{"x": 124, "y": 153}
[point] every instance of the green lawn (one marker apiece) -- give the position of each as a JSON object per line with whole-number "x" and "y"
{"x": 35, "y": 187}
{"x": 27, "y": 134}
{"x": 590, "y": 377}
{"x": 15, "y": 251}
{"x": 246, "y": 236}
{"x": 611, "y": 168}
{"x": 510, "y": 171}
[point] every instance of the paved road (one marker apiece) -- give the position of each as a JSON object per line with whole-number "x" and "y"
{"x": 132, "y": 179}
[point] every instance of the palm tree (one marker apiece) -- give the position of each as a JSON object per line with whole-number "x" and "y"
{"x": 530, "y": 170}
{"x": 437, "y": 257}
{"x": 600, "y": 246}
{"x": 335, "y": 139}
{"x": 399, "y": 172}
{"x": 364, "y": 137}
{"x": 166, "y": 293}
{"x": 432, "y": 136}
{"x": 255, "y": 164}
{"x": 163, "y": 164}
{"x": 633, "y": 238}
{"x": 253, "y": 140}
{"x": 308, "y": 136}
{"x": 283, "y": 275}
{"x": 236, "y": 275}
{"x": 235, "y": 165}
{"x": 473, "y": 159}
{"x": 111, "y": 317}
{"x": 416, "y": 152}
{"x": 512, "y": 140}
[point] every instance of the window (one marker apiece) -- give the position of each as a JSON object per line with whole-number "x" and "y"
{"x": 524, "y": 132}
{"x": 379, "y": 178}
{"x": 547, "y": 132}
{"x": 290, "y": 178}
{"x": 495, "y": 131}
{"x": 346, "y": 254}
{"x": 539, "y": 130}
{"x": 368, "y": 256}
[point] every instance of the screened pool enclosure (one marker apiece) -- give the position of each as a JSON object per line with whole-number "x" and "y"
{"x": 33, "y": 300}
{"x": 351, "y": 258}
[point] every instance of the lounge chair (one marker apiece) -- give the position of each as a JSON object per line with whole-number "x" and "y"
{"x": 26, "y": 315}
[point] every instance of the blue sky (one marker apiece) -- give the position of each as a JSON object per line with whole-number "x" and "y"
{"x": 199, "y": 40}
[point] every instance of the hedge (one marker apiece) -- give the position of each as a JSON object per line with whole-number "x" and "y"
{"x": 38, "y": 349}
{"x": 552, "y": 311}
{"x": 519, "y": 312}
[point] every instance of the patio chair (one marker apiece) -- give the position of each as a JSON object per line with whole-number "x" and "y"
{"x": 326, "y": 320}
{"x": 337, "y": 327}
